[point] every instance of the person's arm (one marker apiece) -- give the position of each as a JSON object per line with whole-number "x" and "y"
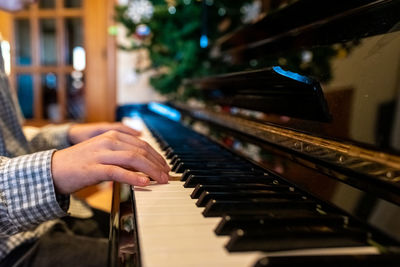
{"x": 32, "y": 187}
{"x": 83, "y": 131}
{"x": 64, "y": 135}
{"x": 48, "y": 137}
{"x": 27, "y": 195}
{"x": 35, "y": 187}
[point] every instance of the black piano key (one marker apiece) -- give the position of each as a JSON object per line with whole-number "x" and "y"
{"x": 175, "y": 160}
{"x": 170, "y": 152}
{"x": 205, "y": 163}
{"x": 200, "y": 188}
{"x": 222, "y": 171}
{"x": 161, "y": 142}
{"x": 233, "y": 222}
{"x": 289, "y": 238}
{"x": 191, "y": 153}
{"x": 209, "y": 157}
{"x": 197, "y": 158}
{"x": 163, "y": 145}
{"x": 194, "y": 180}
{"x": 218, "y": 208}
{"x": 207, "y": 196}
{"x": 381, "y": 260}
{"x": 278, "y": 212}
{"x": 182, "y": 166}
{"x": 206, "y": 160}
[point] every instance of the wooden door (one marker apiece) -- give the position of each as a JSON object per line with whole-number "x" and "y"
{"x": 62, "y": 60}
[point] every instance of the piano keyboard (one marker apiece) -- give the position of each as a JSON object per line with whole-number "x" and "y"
{"x": 219, "y": 210}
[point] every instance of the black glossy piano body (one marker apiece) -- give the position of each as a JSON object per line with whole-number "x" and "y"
{"x": 301, "y": 147}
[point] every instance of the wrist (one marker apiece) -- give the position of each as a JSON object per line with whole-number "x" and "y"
{"x": 71, "y": 136}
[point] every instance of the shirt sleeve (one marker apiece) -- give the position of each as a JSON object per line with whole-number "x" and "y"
{"x": 27, "y": 194}
{"x": 49, "y": 137}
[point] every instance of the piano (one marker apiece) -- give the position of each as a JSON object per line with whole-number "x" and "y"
{"x": 291, "y": 159}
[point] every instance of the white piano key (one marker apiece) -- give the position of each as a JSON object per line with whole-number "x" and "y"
{"x": 169, "y": 226}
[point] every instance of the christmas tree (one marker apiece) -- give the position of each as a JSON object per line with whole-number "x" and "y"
{"x": 179, "y": 35}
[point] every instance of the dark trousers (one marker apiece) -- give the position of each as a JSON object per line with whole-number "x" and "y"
{"x": 72, "y": 242}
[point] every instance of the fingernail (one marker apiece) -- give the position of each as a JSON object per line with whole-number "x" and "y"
{"x": 144, "y": 180}
{"x": 165, "y": 177}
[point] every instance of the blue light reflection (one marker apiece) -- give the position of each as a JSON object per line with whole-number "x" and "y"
{"x": 292, "y": 75}
{"x": 165, "y": 111}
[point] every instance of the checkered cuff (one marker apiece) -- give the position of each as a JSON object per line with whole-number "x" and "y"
{"x": 27, "y": 192}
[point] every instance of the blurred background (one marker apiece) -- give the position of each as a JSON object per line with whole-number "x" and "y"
{"x": 78, "y": 60}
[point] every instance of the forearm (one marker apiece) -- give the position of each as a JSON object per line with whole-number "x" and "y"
{"x": 50, "y": 137}
{"x": 27, "y": 195}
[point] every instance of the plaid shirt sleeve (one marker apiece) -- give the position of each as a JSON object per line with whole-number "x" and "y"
{"x": 51, "y": 136}
{"x": 27, "y": 195}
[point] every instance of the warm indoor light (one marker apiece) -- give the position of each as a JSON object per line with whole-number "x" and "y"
{"x": 6, "y": 51}
{"x": 79, "y": 58}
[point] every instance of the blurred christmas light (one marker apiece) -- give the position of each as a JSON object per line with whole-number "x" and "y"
{"x": 203, "y": 41}
{"x": 172, "y": 10}
{"x": 143, "y": 30}
{"x": 251, "y": 11}
{"x": 221, "y": 11}
{"x": 139, "y": 10}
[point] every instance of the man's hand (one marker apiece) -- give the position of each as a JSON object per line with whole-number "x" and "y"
{"x": 81, "y": 132}
{"x": 111, "y": 156}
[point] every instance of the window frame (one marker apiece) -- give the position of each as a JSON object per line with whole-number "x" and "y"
{"x": 34, "y": 14}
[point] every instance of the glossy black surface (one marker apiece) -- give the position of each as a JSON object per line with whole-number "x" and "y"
{"x": 354, "y": 55}
{"x": 331, "y": 261}
{"x": 312, "y": 22}
{"x": 270, "y": 90}
{"x": 123, "y": 242}
{"x": 377, "y": 174}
